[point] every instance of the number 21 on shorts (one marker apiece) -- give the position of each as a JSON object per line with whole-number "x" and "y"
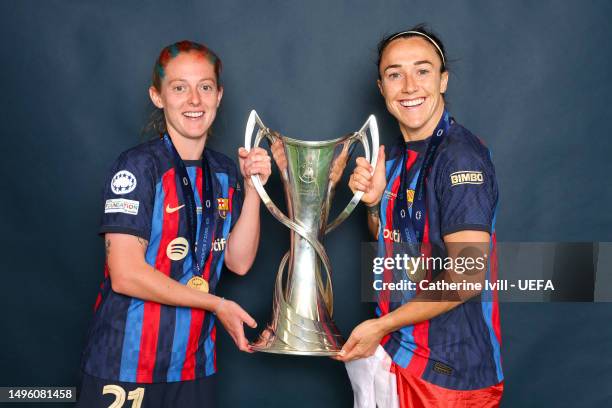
{"x": 136, "y": 396}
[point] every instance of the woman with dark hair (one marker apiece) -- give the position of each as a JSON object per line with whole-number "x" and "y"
{"x": 437, "y": 189}
{"x": 175, "y": 211}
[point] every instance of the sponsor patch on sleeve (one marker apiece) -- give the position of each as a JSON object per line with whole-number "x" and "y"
{"x": 121, "y": 205}
{"x": 466, "y": 177}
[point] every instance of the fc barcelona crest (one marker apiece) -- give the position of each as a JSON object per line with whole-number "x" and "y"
{"x": 410, "y": 197}
{"x": 222, "y": 207}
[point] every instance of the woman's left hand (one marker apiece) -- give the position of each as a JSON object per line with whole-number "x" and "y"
{"x": 363, "y": 341}
{"x": 257, "y": 161}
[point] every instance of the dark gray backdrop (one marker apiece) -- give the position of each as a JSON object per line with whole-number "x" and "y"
{"x": 531, "y": 78}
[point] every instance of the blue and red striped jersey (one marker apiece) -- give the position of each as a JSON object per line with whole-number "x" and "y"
{"x": 134, "y": 340}
{"x": 459, "y": 349}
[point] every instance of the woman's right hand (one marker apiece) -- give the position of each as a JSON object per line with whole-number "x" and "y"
{"x": 232, "y": 317}
{"x": 371, "y": 181}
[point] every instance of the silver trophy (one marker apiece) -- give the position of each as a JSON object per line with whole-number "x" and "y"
{"x": 303, "y": 298}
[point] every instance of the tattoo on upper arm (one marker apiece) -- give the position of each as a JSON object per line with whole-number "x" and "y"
{"x": 107, "y": 244}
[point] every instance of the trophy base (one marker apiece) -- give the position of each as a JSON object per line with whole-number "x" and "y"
{"x": 284, "y": 349}
{"x": 270, "y": 343}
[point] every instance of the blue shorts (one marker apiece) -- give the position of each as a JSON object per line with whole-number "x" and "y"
{"x": 95, "y": 392}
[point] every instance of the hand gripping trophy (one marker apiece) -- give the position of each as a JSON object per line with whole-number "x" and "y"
{"x": 303, "y": 299}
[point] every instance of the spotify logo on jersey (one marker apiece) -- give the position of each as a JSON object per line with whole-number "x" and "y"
{"x": 177, "y": 249}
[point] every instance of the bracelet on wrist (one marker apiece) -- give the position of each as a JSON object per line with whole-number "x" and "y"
{"x": 221, "y": 300}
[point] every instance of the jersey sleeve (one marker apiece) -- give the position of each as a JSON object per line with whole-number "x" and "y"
{"x": 129, "y": 196}
{"x": 237, "y": 197}
{"x": 466, "y": 189}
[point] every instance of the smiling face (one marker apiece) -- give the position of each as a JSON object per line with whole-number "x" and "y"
{"x": 412, "y": 85}
{"x": 189, "y": 95}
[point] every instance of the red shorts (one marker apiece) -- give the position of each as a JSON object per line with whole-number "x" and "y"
{"x": 414, "y": 392}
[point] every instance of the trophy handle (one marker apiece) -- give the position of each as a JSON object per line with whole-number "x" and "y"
{"x": 274, "y": 210}
{"x": 362, "y": 137}
{"x": 262, "y": 132}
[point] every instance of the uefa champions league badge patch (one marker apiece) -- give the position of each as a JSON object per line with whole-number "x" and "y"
{"x": 123, "y": 182}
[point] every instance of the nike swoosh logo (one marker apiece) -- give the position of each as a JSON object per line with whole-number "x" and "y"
{"x": 170, "y": 210}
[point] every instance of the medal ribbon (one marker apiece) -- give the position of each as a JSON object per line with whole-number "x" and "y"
{"x": 412, "y": 220}
{"x": 198, "y": 245}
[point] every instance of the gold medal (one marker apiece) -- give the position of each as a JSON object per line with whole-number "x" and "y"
{"x": 416, "y": 275}
{"x": 197, "y": 282}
